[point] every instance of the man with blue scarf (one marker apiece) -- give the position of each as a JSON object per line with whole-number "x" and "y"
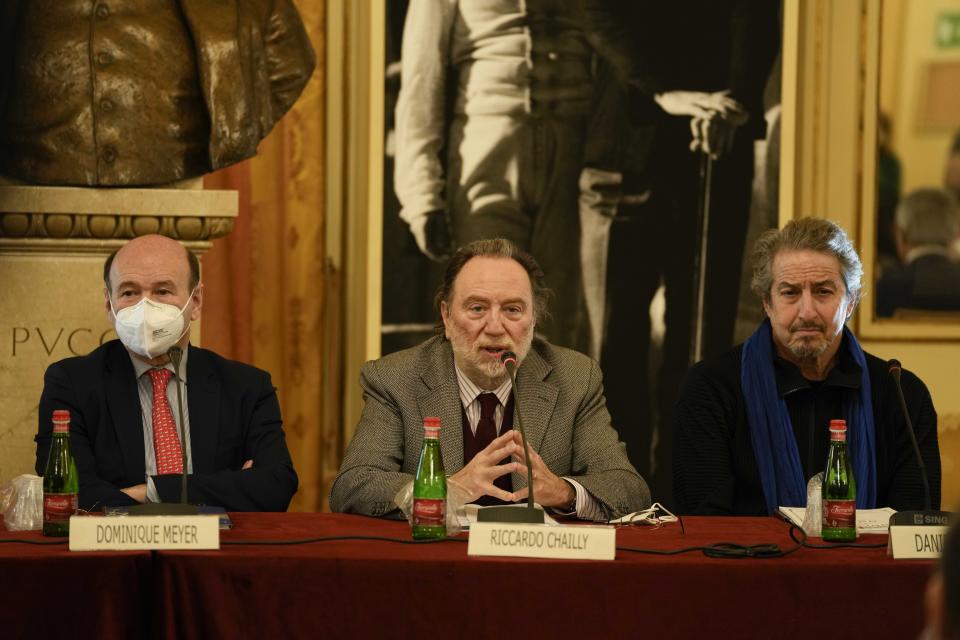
{"x": 751, "y": 425}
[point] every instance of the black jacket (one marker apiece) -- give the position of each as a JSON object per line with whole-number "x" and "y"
{"x": 931, "y": 282}
{"x": 234, "y": 417}
{"x": 715, "y": 470}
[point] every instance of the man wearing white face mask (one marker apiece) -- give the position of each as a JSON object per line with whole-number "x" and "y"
{"x": 122, "y": 398}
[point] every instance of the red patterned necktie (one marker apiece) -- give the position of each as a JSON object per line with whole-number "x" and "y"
{"x": 166, "y": 443}
{"x": 487, "y": 425}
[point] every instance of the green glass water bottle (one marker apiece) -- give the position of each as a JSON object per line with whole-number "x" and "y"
{"x": 430, "y": 487}
{"x": 60, "y": 481}
{"x": 839, "y": 489}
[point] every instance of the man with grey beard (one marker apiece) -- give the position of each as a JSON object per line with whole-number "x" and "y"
{"x": 490, "y": 301}
{"x": 751, "y": 425}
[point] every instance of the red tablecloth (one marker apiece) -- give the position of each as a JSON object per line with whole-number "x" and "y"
{"x": 371, "y": 588}
{"x": 51, "y": 592}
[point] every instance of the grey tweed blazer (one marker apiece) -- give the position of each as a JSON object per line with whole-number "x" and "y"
{"x": 564, "y": 412}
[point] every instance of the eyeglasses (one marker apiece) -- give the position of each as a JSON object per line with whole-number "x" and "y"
{"x": 656, "y": 515}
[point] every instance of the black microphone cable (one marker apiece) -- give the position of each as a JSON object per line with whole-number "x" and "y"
{"x": 339, "y": 539}
{"x": 721, "y": 550}
{"x": 734, "y": 550}
{"x": 293, "y": 541}
{"x": 831, "y": 545}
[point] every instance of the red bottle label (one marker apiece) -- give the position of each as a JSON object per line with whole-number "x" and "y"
{"x": 58, "y": 507}
{"x": 839, "y": 514}
{"x": 427, "y": 512}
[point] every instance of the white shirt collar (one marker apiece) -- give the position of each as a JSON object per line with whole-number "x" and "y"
{"x": 469, "y": 391}
{"x": 140, "y": 367}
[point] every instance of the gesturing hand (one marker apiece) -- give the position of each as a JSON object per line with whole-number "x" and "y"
{"x": 476, "y": 478}
{"x": 549, "y": 490}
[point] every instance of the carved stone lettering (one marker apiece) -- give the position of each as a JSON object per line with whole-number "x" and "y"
{"x": 50, "y": 348}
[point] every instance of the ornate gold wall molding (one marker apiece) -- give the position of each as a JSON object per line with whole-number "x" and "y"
{"x": 35, "y": 212}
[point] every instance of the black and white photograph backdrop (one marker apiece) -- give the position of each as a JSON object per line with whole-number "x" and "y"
{"x": 630, "y": 147}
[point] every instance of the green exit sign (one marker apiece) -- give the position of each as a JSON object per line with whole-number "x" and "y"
{"x": 948, "y": 30}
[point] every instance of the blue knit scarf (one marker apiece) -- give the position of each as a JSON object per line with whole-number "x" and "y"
{"x": 774, "y": 443}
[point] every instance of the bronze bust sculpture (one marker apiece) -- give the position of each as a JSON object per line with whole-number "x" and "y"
{"x": 143, "y": 92}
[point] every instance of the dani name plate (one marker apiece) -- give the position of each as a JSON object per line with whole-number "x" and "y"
{"x": 917, "y": 534}
{"x": 130, "y": 533}
{"x": 572, "y": 542}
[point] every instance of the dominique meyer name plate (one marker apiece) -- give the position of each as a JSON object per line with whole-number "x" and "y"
{"x": 572, "y": 542}
{"x": 131, "y": 533}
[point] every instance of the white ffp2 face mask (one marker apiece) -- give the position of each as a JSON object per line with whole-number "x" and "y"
{"x": 150, "y": 328}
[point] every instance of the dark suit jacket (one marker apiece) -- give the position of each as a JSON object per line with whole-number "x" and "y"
{"x": 929, "y": 283}
{"x": 234, "y": 417}
{"x": 564, "y": 413}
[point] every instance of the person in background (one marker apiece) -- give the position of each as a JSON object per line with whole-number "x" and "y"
{"x": 752, "y": 424}
{"x": 927, "y": 225}
{"x": 951, "y": 172}
{"x": 943, "y": 592}
{"x": 688, "y": 80}
{"x": 122, "y": 398}
{"x": 490, "y": 126}
{"x": 889, "y": 181}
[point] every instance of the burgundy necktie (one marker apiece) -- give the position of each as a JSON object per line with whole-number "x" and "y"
{"x": 487, "y": 426}
{"x": 166, "y": 443}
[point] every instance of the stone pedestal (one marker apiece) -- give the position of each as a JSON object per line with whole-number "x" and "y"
{"x": 53, "y": 243}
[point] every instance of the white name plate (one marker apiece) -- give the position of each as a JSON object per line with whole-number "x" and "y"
{"x": 130, "y": 533}
{"x": 572, "y": 542}
{"x": 911, "y": 541}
